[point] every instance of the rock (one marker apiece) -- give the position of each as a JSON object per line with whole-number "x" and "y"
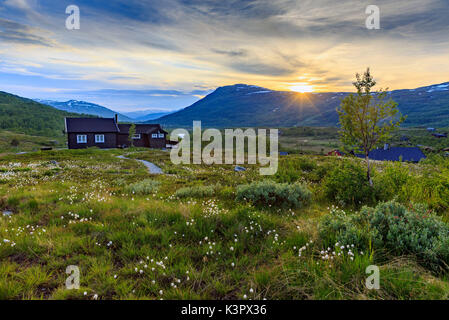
{"x": 237, "y": 168}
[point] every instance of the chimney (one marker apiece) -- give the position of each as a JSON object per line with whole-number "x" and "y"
{"x": 116, "y": 118}
{"x": 386, "y": 146}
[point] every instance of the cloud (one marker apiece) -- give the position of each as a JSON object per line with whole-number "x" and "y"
{"x": 231, "y": 53}
{"x": 261, "y": 69}
{"x": 14, "y": 32}
{"x": 180, "y": 48}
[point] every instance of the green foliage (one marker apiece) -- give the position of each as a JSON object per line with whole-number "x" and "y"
{"x": 147, "y": 186}
{"x": 366, "y": 120}
{"x": 393, "y": 181}
{"x": 26, "y": 116}
{"x": 340, "y": 227}
{"x": 393, "y": 227}
{"x": 346, "y": 184}
{"x": 431, "y": 187}
{"x": 214, "y": 248}
{"x": 267, "y": 192}
{"x": 132, "y": 132}
{"x": 413, "y": 230}
{"x": 195, "y": 192}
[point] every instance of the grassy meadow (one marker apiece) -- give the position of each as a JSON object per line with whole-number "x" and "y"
{"x": 209, "y": 232}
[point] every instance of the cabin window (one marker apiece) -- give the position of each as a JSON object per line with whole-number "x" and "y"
{"x": 136, "y": 136}
{"x": 81, "y": 138}
{"x": 99, "y": 138}
{"x": 154, "y": 135}
{"x": 161, "y": 135}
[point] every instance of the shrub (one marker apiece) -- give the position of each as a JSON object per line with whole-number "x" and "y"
{"x": 296, "y": 168}
{"x": 195, "y": 192}
{"x": 338, "y": 226}
{"x": 146, "y": 186}
{"x": 432, "y": 188}
{"x": 392, "y": 182}
{"x": 347, "y": 184}
{"x": 277, "y": 194}
{"x": 413, "y": 230}
{"x": 393, "y": 227}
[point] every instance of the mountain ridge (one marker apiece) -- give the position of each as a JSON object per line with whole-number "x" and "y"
{"x": 27, "y": 116}
{"x": 251, "y": 106}
{"x": 83, "y": 107}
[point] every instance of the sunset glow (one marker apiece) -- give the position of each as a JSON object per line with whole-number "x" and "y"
{"x": 159, "y": 55}
{"x": 301, "y": 88}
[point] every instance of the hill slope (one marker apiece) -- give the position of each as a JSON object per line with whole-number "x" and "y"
{"x": 30, "y": 117}
{"x": 246, "y": 106}
{"x": 82, "y": 107}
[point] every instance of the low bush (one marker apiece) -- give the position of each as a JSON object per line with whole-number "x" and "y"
{"x": 146, "y": 186}
{"x": 392, "y": 227}
{"x": 392, "y": 182}
{"x": 347, "y": 185}
{"x": 276, "y": 194}
{"x": 432, "y": 188}
{"x": 195, "y": 192}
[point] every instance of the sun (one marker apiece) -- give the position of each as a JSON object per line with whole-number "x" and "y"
{"x": 301, "y": 87}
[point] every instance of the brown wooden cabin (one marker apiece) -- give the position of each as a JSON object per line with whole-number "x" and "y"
{"x": 108, "y": 133}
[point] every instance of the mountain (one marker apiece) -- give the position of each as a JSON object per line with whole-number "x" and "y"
{"x": 145, "y": 115}
{"x": 30, "y": 117}
{"x": 82, "y": 107}
{"x": 244, "y": 105}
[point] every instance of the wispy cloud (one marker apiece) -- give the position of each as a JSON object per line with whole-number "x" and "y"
{"x": 180, "y": 49}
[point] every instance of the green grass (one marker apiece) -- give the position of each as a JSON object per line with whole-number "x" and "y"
{"x": 16, "y": 142}
{"x": 82, "y": 211}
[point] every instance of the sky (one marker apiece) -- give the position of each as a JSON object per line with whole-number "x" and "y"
{"x": 166, "y": 54}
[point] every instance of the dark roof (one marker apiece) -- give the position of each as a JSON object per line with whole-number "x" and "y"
{"x": 440, "y": 135}
{"x": 87, "y": 125}
{"x": 395, "y": 153}
{"x": 141, "y": 128}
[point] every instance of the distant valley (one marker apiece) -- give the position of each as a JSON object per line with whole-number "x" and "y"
{"x": 146, "y": 115}
{"x": 238, "y": 105}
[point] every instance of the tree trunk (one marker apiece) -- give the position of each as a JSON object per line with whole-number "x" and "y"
{"x": 368, "y": 173}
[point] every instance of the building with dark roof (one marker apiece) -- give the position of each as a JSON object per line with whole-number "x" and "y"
{"x": 439, "y": 135}
{"x": 108, "y": 133}
{"x": 412, "y": 154}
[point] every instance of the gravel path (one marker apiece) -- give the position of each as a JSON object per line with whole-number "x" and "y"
{"x": 152, "y": 168}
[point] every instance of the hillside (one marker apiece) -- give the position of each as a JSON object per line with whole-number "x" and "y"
{"x": 82, "y": 107}
{"x": 244, "y": 105}
{"x": 27, "y": 116}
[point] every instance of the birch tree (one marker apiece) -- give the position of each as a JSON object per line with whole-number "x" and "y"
{"x": 367, "y": 118}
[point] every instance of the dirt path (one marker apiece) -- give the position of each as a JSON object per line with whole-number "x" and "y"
{"x": 152, "y": 168}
